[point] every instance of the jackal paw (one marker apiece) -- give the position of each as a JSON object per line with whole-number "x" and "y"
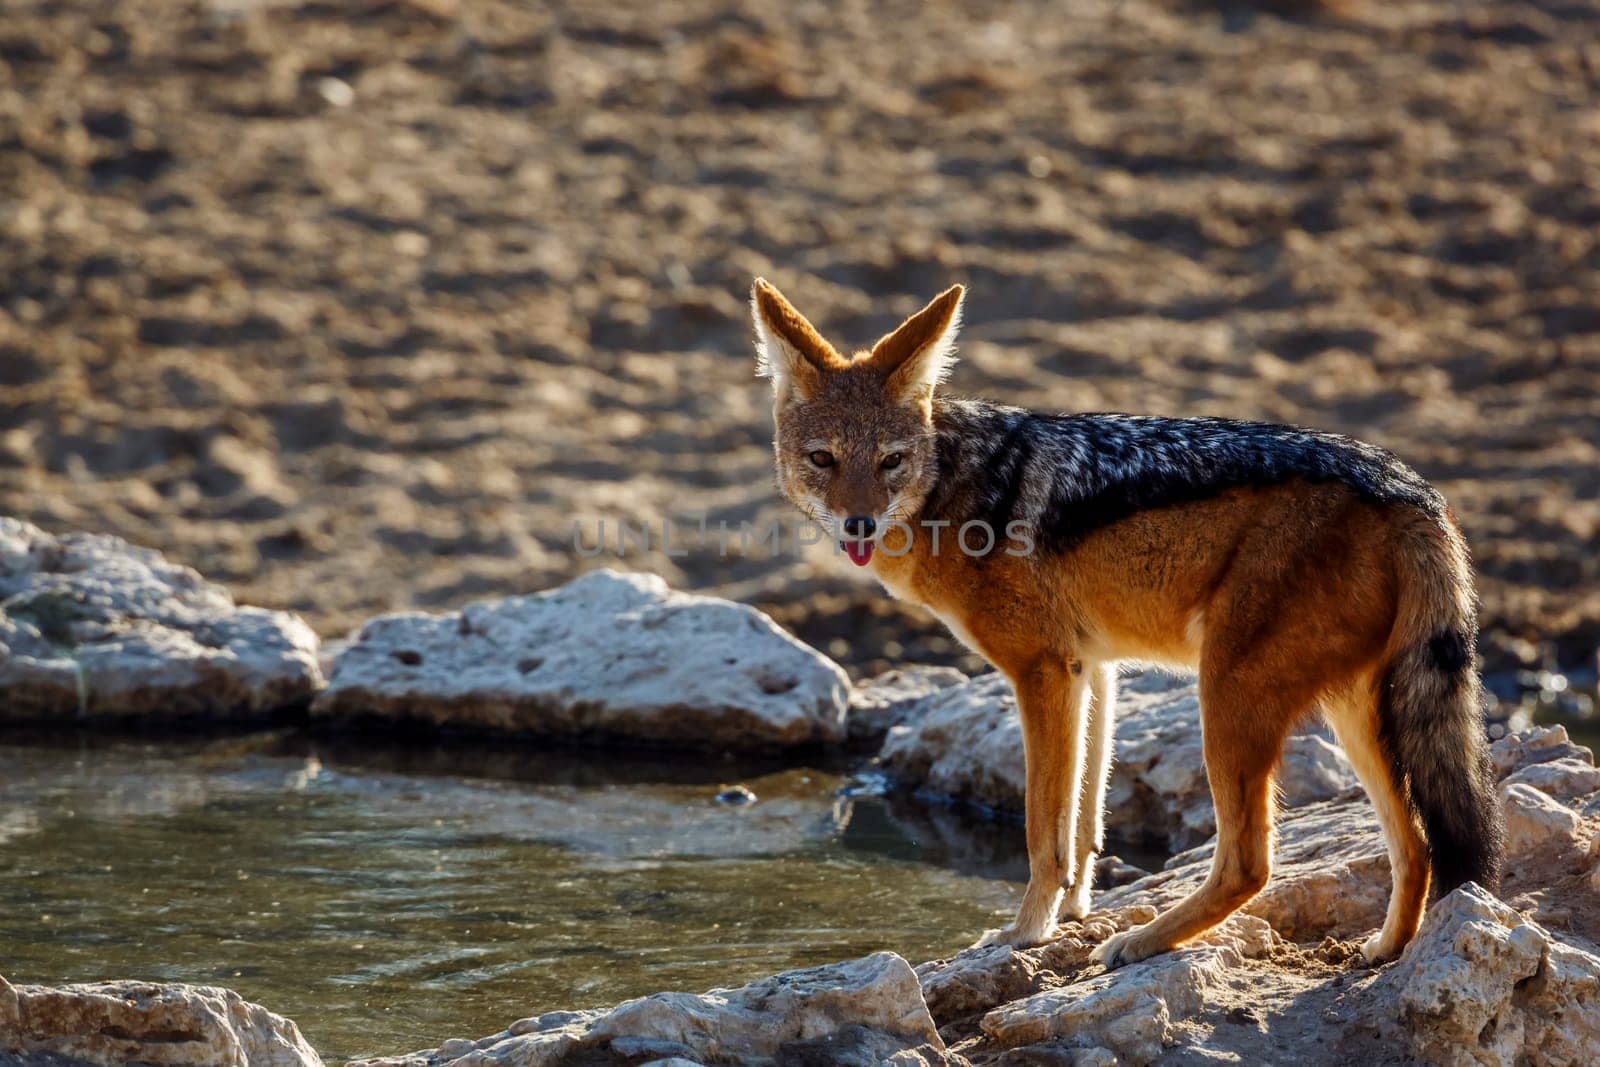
{"x": 1376, "y": 950}
{"x": 1078, "y": 900}
{"x": 1130, "y": 946}
{"x": 1016, "y": 938}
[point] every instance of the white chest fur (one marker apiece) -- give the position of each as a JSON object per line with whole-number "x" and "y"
{"x": 900, "y": 585}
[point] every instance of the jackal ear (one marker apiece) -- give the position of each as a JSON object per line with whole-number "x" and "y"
{"x": 918, "y": 355}
{"x": 789, "y": 350}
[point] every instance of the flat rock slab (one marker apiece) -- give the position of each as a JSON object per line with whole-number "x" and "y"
{"x": 117, "y": 1023}
{"x": 91, "y": 626}
{"x": 964, "y": 741}
{"x": 864, "y": 1010}
{"x": 608, "y": 655}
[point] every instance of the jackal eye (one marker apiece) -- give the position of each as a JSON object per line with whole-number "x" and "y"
{"x": 821, "y": 458}
{"x": 891, "y": 461}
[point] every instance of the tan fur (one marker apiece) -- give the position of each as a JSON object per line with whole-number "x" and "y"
{"x": 1282, "y": 597}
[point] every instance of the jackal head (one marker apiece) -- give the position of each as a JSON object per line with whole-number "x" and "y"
{"x": 854, "y": 435}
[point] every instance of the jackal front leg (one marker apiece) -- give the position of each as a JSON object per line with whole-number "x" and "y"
{"x": 1099, "y": 746}
{"x": 1051, "y": 697}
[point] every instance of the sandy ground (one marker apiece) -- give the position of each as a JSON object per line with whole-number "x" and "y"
{"x": 359, "y": 306}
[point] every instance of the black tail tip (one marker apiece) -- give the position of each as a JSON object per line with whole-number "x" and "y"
{"x": 1470, "y": 849}
{"x": 1452, "y": 873}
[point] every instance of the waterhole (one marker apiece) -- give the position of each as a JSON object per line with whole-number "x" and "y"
{"x": 387, "y": 900}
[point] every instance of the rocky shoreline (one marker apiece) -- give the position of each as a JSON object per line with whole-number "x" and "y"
{"x": 96, "y": 631}
{"x": 1490, "y": 981}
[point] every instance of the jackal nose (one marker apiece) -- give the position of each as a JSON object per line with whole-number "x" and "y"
{"x": 860, "y": 527}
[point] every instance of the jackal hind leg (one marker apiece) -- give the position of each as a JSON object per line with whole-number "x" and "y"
{"x": 1353, "y": 714}
{"x": 1243, "y": 736}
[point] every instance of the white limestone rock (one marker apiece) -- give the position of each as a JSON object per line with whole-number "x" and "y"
{"x": 1566, "y": 778}
{"x": 1538, "y": 825}
{"x": 1481, "y": 984}
{"x": 985, "y": 976}
{"x": 115, "y": 1023}
{"x": 964, "y": 742}
{"x": 880, "y": 703}
{"x": 610, "y": 655}
{"x": 1131, "y": 1011}
{"x": 1528, "y": 748}
{"x": 91, "y": 626}
{"x": 867, "y": 1007}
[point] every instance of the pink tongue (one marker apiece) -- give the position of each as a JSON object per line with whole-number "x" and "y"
{"x": 860, "y": 552}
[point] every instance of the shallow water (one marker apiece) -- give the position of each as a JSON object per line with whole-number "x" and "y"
{"x": 389, "y": 899}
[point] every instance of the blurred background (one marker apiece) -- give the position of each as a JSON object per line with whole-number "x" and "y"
{"x": 359, "y": 306}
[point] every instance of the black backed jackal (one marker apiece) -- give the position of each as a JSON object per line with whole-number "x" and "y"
{"x": 1292, "y": 569}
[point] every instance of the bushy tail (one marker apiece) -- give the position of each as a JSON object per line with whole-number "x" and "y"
{"x": 1430, "y": 711}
